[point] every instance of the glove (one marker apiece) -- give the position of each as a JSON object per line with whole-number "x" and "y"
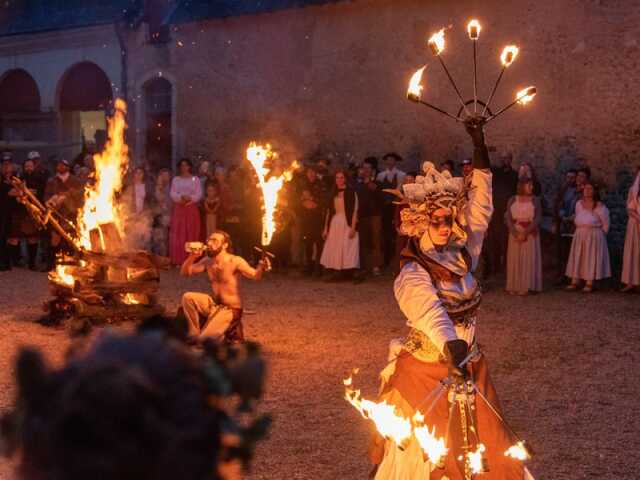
{"x": 473, "y": 126}
{"x": 455, "y": 351}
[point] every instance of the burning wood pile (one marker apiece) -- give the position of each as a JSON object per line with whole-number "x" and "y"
{"x": 99, "y": 278}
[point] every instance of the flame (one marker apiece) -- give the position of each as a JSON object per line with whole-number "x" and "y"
{"x": 133, "y": 298}
{"x": 434, "y": 447}
{"x": 526, "y": 95}
{"x": 111, "y": 164}
{"x": 475, "y": 459}
{"x": 509, "y": 54}
{"x": 517, "y": 451}
{"x": 258, "y": 156}
{"x": 388, "y": 423}
{"x": 415, "y": 87}
{"x": 61, "y": 276}
{"x": 436, "y": 42}
{"x": 473, "y": 27}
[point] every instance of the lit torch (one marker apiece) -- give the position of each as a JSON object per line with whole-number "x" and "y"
{"x": 523, "y": 97}
{"x": 436, "y": 44}
{"x": 476, "y": 463}
{"x": 432, "y": 446}
{"x": 414, "y": 93}
{"x": 473, "y": 28}
{"x": 507, "y": 57}
{"x": 388, "y": 423}
{"x": 258, "y": 156}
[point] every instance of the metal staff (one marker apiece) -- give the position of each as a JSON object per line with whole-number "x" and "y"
{"x": 436, "y": 43}
{"x": 493, "y": 92}
{"x": 523, "y": 96}
{"x": 416, "y": 99}
{"x": 509, "y": 54}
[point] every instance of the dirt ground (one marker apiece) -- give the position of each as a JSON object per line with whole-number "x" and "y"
{"x": 564, "y": 365}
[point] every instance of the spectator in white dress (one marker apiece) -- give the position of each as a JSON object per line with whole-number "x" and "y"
{"x": 631, "y": 259}
{"x": 341, "y": 251}
{"x": 589, "y": 256}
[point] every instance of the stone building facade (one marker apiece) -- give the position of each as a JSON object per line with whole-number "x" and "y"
{"x": 330, "y": 78}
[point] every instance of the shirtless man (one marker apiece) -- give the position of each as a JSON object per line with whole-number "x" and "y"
{"x": 220, "y": 316}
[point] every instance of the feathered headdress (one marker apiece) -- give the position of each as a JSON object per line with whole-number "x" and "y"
{"x": 433, "y": 190}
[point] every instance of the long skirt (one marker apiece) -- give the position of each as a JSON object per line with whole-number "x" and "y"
{"x": 185, "y": 227}
{"x": 589, "y": 256}
{"x": 412, "y": 381}
{"x": 631, "y": 259}
{"x": 340, "y": 252}
{"x": 524, "y": 265}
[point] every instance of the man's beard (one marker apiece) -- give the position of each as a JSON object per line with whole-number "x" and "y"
{"x": 214, "y": 253}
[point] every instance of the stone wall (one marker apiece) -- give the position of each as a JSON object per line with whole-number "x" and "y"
{"x": 332, "y": 80}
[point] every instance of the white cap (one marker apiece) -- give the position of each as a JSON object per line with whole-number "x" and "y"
{"x": 32, "y": 155}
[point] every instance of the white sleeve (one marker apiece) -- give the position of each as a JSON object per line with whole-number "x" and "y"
{"x": 175, "y": 196}
{"x": 478, "y": 212}
{"x": 197, "y": 190}
{"x": 418, "y": 300}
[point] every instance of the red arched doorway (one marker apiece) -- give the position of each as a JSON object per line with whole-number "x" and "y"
{"x": 158, "y": 101}
{"x": 84, "y": 98}
{"x": 19, "y": 106}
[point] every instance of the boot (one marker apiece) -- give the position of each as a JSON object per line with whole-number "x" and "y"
{"x": 33, "y": 253}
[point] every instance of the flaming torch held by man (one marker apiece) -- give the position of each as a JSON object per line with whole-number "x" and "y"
{"x": 218, "y": 316}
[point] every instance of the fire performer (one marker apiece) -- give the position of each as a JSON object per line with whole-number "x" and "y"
{"x": 220, "y": 316}
{"x": 439, "y": 296}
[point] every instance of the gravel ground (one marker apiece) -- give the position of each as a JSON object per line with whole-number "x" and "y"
{"x": 563, "y": 364}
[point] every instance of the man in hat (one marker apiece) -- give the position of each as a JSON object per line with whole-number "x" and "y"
{"x": 7, "y": 205}
{"x": 64, "y": 194}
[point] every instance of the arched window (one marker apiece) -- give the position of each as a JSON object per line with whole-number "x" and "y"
{"x": 158, "y": 101}
{"x": 84, "y": 98}
{"x": 85, "y": 87}
{"x": 19, "y": 93}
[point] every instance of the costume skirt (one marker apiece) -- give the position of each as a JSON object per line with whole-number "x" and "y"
{"x": 407, "y": 388}
{"x": 340, "y": 252}
{"x": 185, "y": 227}
{"x": 524, "y": 265}
{"x": 631, "y": 259}
{"x": 589, "y": 256}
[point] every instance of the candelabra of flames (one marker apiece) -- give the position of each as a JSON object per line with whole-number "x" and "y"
{"x": 471, "y": 108}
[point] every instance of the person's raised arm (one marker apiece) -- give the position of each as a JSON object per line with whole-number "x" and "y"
{"x": 474, "y": 127}
{"x": 193, "y": 265}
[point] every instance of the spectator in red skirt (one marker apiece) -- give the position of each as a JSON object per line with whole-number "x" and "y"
{"x": 186, "y": 193}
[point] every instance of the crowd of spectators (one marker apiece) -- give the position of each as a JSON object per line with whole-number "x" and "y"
{"x": 334, "y": 223}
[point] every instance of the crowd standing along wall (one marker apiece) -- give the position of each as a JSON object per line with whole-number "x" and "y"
{"x": 332, "y": 80}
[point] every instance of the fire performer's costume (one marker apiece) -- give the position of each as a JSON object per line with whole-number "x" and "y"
{"x": 439, "y": 296}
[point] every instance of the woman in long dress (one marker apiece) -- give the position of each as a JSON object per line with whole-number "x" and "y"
{"x": 589, "y": 256}
{"x": 631, "y": 259}
{"x": 446, "y": 221}
{"x": 341, "y": 248}
{"x": 524, "y": 260}
{"x": 186, "y": 192}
